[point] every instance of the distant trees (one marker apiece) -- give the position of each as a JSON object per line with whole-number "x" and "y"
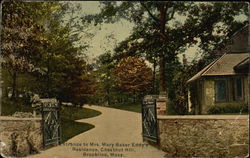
{"x": 105, "y": 76}
{"x": 133, "y": 75}
{"x": 122, "y": 81}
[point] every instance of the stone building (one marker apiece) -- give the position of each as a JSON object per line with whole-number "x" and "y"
{"x": 224, "y": 82}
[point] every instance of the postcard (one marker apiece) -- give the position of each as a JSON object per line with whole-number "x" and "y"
{"x": 124, "y": 79}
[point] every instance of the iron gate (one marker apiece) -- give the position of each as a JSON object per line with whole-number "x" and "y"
{"x": 51, "y": 122}
{"x": 149, "y": 120}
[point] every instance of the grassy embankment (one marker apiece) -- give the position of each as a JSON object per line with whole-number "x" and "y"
{"x": 69, "y": 127}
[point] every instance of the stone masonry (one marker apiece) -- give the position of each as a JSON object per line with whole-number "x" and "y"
{"x": 161, "y": 103}
{"x": 204, "y": 135}
{"x": 20, "y": 136}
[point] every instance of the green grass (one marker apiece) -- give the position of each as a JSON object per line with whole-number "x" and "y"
{"x": 10, "y": 107}
{"x": 76, "y": 113}
{"x": 69, "y": 127}
{"x": 134, "y": 107}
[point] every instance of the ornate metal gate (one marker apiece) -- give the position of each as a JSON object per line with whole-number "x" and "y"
{"x": 51, "y": 122}
{"x": 149, "y": 120}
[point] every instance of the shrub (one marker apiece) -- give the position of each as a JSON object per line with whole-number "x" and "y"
{"x": 9, "y": 107}
{"x": 228, "y": 109}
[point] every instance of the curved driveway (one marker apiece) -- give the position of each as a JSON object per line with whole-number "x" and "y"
{"x": 117, "y": 134}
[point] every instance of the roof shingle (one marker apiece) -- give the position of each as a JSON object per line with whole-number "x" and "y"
{"x": 222, "y": 66}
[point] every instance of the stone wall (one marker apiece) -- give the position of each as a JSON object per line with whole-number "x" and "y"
{"x": 20, "y": 136}
{"x": 204, "y": 135}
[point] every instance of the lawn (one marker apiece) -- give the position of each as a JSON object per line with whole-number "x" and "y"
{"x": 10, "y": 107}
{"x": 69, "y": 127}
{"x": 134, "y": 107}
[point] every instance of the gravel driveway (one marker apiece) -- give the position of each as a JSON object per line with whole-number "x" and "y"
{"x": 117, "y": 134}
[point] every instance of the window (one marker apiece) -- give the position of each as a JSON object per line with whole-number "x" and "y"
{"x": 238, "y": 89}
{"x": 228, "y": 90}
{"x": 220, "y": 90}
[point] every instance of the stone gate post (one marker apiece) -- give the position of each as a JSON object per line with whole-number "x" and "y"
{"x": 161, "y": 105}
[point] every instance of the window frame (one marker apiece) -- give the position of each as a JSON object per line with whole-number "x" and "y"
{"x": 235, "y": 89}
{"x": 231, "y": 89}
{"x": 216, "y": 92}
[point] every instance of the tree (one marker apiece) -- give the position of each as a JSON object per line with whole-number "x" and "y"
{"x": 66, "y": 76}
{"x": 104, "y": 74}
{"x": 43, "y": 48}
{"x": 73, "y": 83}
{"x": 153, "y": 20}
{"x": 21, "y": 36}
{"x": 133, "y": 75}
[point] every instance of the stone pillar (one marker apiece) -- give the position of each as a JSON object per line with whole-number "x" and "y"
{"x": 161, "y": 105}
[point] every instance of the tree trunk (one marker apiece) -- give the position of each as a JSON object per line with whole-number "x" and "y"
{"x": 162, "y": 9}
{"x": 14, "y": 85}
{"x": 108, "y": 97}
{"x": 48, "y": 79}
{"x": 134, "y": 96}
{"x": 154, "y": 80}
{"x": 162, "y": 85}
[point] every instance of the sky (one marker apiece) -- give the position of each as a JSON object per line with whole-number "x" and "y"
{"x": 99, "y": 43}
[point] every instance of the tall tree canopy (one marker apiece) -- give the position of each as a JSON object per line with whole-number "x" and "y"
{"x": 22, "y": 35}
{"x": 164, "y": 29}
{"x": 39, "y": 47}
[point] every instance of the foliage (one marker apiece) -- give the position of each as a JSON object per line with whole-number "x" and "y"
{"x": 133, "y": 75}
{"x": 111, "y": 86}
{"x": 160, "y": 33}
{"x": 36, "y": 45}
{"x": 171, "y": 108}
{"x": 179, "y": 87}
{"x": 21, "y": 36}
{"x": 21, "y": 31}
{"x": 104, "y": 74}
{"x": 9, "y": 107}
{"x": 228, "y": 109}
{"x": 180, "y": 92}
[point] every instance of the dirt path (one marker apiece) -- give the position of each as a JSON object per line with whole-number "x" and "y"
{"x": 117, "y": 134}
